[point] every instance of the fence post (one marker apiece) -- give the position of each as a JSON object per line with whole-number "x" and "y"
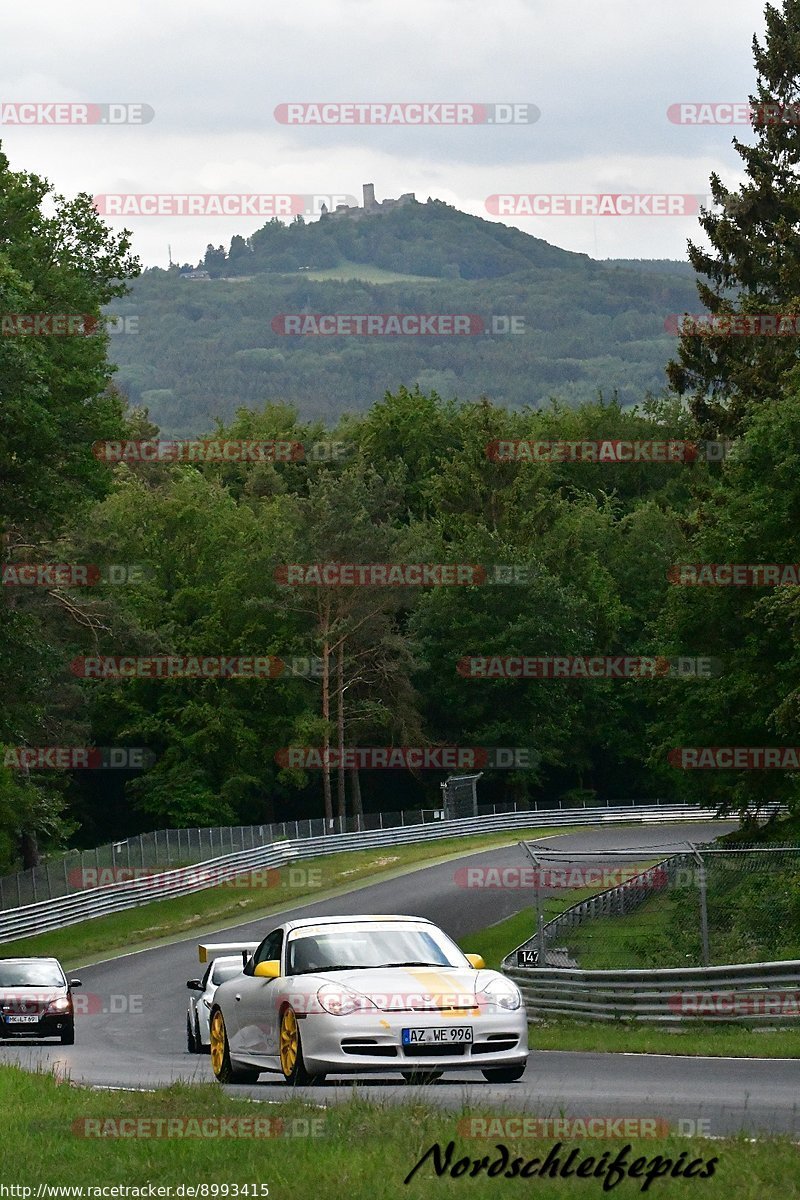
{"x": 701, "y": 881}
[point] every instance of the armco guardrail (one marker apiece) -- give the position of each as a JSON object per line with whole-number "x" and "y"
{"x": 165, "y": 848}
{"x": 99, "y": 902}
{"x": 96, "y": 902}
{"x": 760, "y": 993}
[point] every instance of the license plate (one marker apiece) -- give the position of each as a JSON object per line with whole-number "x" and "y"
{"x": 443, "y": 1035}
{"x": 19, "y": 1020}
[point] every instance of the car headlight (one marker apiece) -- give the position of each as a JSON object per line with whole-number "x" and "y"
{"x": 342, "y": 1001}
{"x": 500, "y": 993}
{"x": 62, "y": 1005}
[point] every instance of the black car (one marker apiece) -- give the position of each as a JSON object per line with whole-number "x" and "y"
{"x": 36, "y": 999}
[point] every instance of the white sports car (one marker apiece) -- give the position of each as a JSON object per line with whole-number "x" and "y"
{"x": 199, "y": 1012}
{"x": 347, "y": 995}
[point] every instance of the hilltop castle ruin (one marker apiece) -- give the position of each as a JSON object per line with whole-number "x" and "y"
{"x": 370, "y": 207}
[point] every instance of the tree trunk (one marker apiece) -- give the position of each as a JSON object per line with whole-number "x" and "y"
{"x": 355, "y": 789}
{"x": 326, "y": 713}
{"x": 341, "y": 796}
{"x": 29, "y": 849}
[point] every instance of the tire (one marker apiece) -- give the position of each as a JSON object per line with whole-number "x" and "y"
{"x": 291, "y": 1053}
{"x": 420, "y": 1077}
{"x": 504, "y": 1074}
{"x": 221, "y": 1063}
{"x": 191, "y": 1037}
{"x": 201, "y": 1047}
{"x": 68, "y": 1036}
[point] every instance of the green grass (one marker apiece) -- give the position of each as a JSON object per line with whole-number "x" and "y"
{"x": 216, "y": 908}
{"x": 498, "y": 940}
{"x": 715, "y": 1040}
{"x": 644, "y": 938}
{"x": 361, "y": 1150}
{"x": 364, "y": 272}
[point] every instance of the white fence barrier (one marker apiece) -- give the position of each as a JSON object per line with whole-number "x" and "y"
{"x": 86, "y": 904}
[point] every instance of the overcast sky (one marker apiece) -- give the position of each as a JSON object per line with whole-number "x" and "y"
{"x": 602, "y": 72}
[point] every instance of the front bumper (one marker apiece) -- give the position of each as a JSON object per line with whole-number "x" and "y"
{"x": 51, "y": 1026}
{"x": 360, "y": 1043}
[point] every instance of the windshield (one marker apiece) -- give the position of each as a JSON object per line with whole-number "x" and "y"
{"x": 350, "y": 947}
{"x": 31, "y": 974}
{"x": 224, "y": 971}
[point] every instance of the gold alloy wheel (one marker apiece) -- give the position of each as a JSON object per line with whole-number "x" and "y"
{"x": 289, "y": 1043}
{"x": 217, "y": 1034}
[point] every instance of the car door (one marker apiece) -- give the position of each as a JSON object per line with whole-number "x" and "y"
{"x": 253, "y": 1019}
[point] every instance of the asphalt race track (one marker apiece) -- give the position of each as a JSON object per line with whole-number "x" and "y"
{"x": 136, "y": 1036}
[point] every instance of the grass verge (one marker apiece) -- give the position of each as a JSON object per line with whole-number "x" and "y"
{"x": 361, "y": 1150}
{"x": 699, "y": 1040}
{"x": 363, "y": 273}
{"x": 224, "y": 906}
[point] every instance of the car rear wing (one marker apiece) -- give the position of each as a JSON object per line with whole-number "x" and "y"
{"x": 208, "y": 950}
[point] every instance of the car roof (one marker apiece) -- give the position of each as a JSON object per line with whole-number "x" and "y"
{"x": 39, "y": 958}
{"x": 354, "y": 918}
{"x": 226, "y": 960}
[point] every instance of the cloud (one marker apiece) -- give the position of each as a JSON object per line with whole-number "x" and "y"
{"x": 603, "y": 76}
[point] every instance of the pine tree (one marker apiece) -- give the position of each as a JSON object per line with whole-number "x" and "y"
{"x": 754, "y": 266}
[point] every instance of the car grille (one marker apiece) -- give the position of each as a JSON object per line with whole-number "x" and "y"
{"x": 368, "y": 1046}
{"x": 423, "y": 1050}
{"x": 495, "y": 1043}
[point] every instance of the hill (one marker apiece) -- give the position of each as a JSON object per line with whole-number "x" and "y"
{"x": 205, "y": 347}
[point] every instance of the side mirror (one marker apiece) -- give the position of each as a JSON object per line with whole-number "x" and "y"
{"x": 268, "y": 970}
{"x": 74, "y": 983}
{"x": 194, "y": 985}
{"x": 475, "y": 961}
